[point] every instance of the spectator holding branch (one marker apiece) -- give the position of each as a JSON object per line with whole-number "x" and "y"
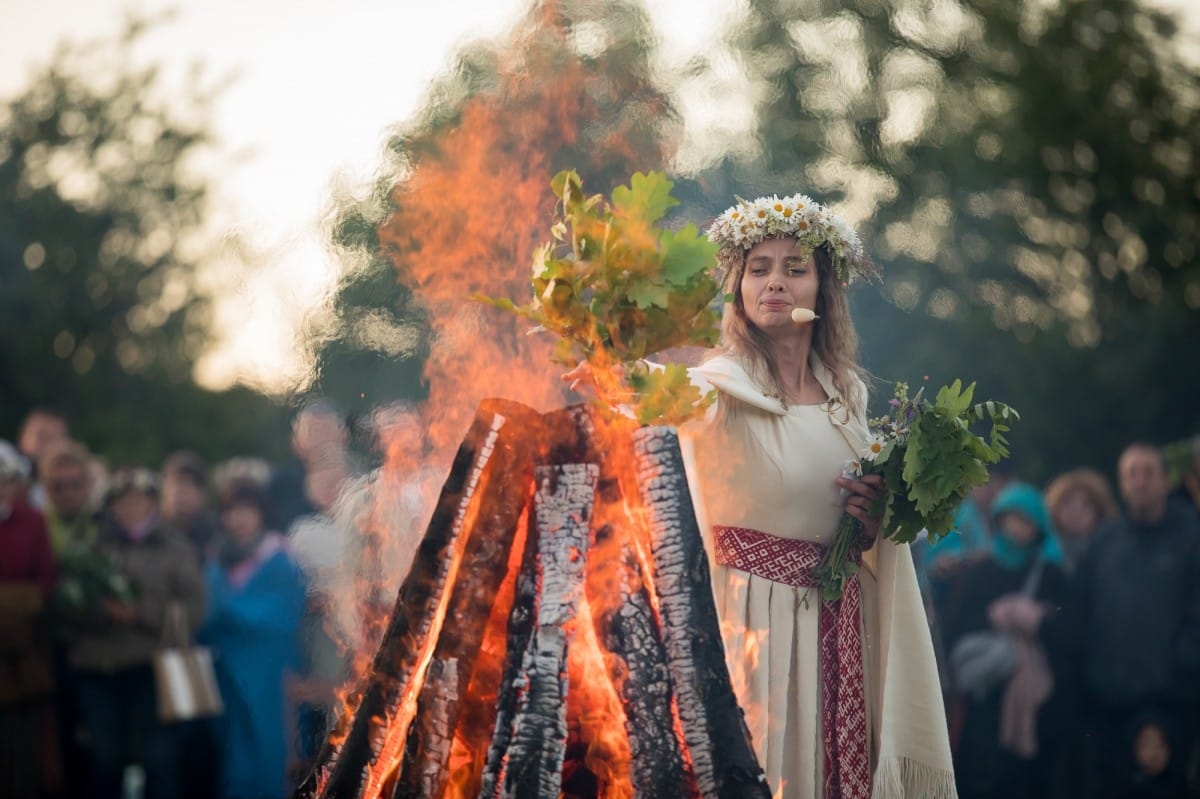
{"x": 119, "y": 634}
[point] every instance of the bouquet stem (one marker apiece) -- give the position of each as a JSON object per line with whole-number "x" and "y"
{"x": 840, "y": 561}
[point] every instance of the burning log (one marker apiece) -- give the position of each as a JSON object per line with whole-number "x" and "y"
{"x": 520, "y": 631}
{"x": 487, "y": 484}
{"x": 714, "y": 727}
{"x": 628, "y": 629}
{"x": 536, "y": 745}
{"x": 613, "y": 680}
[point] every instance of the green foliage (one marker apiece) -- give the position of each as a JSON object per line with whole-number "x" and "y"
{"x": 1182, "y": 457}
{"x": 930, "y": 458}
{"x": 616, "y": 288}
{"x": 666, "y": 396}
{"x": 87, "y": 577}
{"x": 942, "y": 458}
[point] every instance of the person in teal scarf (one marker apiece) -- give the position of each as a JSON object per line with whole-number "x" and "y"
{"x": 1005, "y": 728}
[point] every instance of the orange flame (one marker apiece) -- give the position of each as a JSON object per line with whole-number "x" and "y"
{"x": 468, "y": 211}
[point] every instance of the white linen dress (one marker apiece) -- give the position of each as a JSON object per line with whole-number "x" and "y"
{"x": 757, "y": 465}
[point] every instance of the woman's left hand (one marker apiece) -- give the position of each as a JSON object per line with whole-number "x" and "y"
{"x": 862, "y": 492}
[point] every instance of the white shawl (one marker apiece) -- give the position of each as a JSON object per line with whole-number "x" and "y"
{"x": 913, "y": 744}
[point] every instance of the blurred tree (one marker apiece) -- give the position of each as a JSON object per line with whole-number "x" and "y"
{"x": 1027, "y": 174}
{"x": 570, "y": 86}
{"x": 101, "y": 240}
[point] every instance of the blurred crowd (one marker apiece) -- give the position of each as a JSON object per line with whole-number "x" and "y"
{"x": 1067, "y": 628}
{"x": 1066, "y": 621}
{"x": 283, "y": 572}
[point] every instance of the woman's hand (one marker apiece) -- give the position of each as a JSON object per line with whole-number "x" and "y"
{"x": 582, "y": 379}
{"x": 862, "y": 492}
{"x": 1016, "y": 613}
{"x": 120, "y": 612}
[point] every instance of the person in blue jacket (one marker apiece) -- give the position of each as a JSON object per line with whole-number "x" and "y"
{"x": 255, "y": 606}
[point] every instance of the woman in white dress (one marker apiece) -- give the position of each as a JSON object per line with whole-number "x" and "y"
{"x": 842, "y": 699}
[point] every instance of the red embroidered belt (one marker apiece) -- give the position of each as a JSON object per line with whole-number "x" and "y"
{"x": 844, "y": 707}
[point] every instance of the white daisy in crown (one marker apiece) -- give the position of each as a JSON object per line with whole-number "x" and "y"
{"x": 799, "y": 216}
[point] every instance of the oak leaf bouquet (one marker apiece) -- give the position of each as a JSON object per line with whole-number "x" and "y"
{"x": 930, "y": 459}
{"x": 88, "y": 576}
{"x": 616, "y": 285}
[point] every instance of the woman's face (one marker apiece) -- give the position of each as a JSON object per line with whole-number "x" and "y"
{"x": 778, "y": 278}
{"x": 132, "y": 509}
{"x": 242, "y": 521}
{"x": 1018, "y": 529}
{"x": 1076, "y": 516}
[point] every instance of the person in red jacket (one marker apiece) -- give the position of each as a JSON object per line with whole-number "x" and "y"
{"x": 27, "y": 576}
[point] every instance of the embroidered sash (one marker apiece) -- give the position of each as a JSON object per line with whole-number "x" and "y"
{"x": 844, "y": 707}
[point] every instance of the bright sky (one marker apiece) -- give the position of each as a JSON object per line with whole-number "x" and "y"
{"x": 318, "y": 83}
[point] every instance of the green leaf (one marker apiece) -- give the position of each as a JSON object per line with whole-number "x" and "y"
{"x": 645, "y": 294}
{"x": 615, "y": 288}
{"x": 953, "y": 400}
{"x": 648, "y": 197}
{"x": 565, "y": 183}
{"x": 685, "y": 254}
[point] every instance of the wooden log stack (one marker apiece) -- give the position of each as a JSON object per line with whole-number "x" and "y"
{"x": 586, "y": 534}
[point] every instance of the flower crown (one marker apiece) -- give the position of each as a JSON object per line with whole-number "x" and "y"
{"x": 797, "y": 216}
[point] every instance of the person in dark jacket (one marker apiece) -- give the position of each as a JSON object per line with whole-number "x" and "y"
{"x": 1006, "y": 727}
{"x": 1136, "y": 608}
{"x": 185, "y": 505}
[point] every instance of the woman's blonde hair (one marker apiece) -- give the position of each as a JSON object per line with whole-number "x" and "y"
{"x": 834, "y": 340}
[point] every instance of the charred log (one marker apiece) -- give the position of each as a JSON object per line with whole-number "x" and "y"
{"x": 626, "y": 625}
{"x": 562, "y": 509}
{"x": 713, "y": 725}
{"x": 499, "y": 443}
{"x": 520, "y": 630}
{"x": 483, "y": 566}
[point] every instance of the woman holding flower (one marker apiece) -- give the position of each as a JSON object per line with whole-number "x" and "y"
{"x": 840, "y": 687}
{"x": 842, "y": 697}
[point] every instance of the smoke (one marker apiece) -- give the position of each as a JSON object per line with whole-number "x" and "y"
{"x": 463, "y": 200}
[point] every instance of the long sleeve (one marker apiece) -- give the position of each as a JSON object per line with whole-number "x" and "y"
{"x": 1187, "y": 646}
{"x": 276, "y": 606}
{"x": 184, "y": 584}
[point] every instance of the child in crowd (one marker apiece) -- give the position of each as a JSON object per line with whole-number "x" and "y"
{"x": 1157, "y": 772}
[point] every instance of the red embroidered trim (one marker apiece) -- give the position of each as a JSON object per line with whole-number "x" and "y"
{"x": 844, "y": 707}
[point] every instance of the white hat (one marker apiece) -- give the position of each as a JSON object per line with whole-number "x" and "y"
{"x": 12, "y": 463}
